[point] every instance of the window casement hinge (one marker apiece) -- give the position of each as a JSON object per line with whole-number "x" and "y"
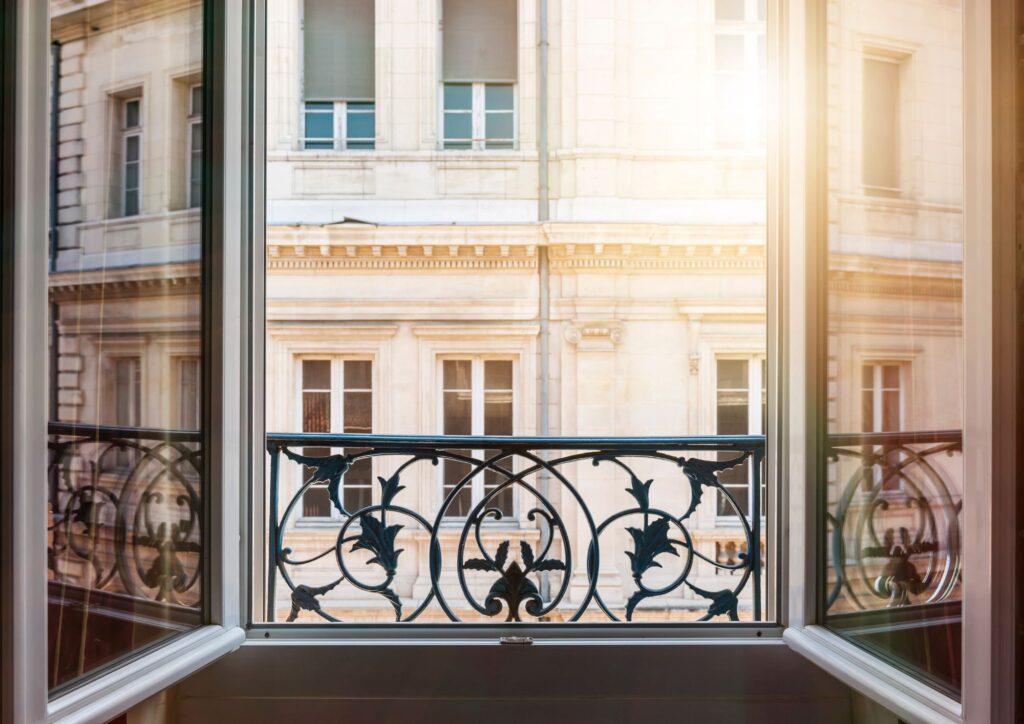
{"x": 515, "y": 640}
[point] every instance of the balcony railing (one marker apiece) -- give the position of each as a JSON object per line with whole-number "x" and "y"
{"x": 125, "y": 512}
{"x": 895, "y": 501}
{"x": 488, "y": 529}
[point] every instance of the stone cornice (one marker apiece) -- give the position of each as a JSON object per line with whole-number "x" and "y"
{"x": 883, "y": 285}
{"x": 126, "y": 282}
{"x": 73, "y": 19}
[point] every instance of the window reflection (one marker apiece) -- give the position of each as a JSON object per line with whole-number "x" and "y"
{"x": 125, "y": 502}
{"x": 895, "y": 332}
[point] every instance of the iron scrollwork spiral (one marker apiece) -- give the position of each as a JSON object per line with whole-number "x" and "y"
{"x": 125, "y": 512}
{"x": 555, "y": 560}
{"x": 895, "y": 527}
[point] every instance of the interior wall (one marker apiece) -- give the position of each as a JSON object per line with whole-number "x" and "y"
{"x": 280, "y": 681}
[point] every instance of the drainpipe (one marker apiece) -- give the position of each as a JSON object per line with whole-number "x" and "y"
{"x": 543, "y": 214}
{"x": 54, "y": 309}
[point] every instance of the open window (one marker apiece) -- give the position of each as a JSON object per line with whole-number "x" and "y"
{"x": 732, "y": 374}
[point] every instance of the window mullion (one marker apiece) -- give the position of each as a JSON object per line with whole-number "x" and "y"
{"x": 340, "y": 122}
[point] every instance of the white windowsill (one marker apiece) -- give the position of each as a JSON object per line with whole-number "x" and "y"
{"x": 905, "y": 696}
{"x": 127, "y": 685}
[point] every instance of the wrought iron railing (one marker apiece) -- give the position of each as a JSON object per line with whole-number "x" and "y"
{"x": 513, "y": 529}
{"x": 894, "y": 507}
{"x": 125, "y": 512}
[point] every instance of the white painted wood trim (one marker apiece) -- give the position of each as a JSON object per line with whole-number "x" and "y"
{"x": 127, "y": 685}
{"x": 907, "y": 697}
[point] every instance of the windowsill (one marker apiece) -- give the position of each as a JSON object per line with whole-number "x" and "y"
{"x": 901, "y": 693}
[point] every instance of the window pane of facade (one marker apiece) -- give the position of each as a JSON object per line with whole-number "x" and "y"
{"x": 125, "y": 517}
{"x": 894, "y": 485}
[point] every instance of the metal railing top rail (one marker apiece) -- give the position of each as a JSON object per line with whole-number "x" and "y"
{"x": 911, "y": 437}
{"x": 108, "y": 432}
{"x": 714, "y": 443}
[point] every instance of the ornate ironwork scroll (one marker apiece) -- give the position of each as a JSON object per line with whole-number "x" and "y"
{"x": 125, "y": 512}
{"x": 894, "y": 520}
{"x": 602, "y": 528}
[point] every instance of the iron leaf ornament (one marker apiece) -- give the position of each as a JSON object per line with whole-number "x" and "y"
{"x": 704, "y": 474}
{"x": 329, "y": 469}
{"x": 514, "y": 586}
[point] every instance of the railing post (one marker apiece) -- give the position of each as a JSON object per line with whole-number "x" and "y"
{"x": 755, "y": 530}
{"x": 275, "y": 457}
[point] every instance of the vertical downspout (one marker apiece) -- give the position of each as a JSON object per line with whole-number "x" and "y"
{"x": 54, "y": 309}
{"x": 543, "y": 214}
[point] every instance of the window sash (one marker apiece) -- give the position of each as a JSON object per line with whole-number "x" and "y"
{"x": 451, "y": 472}
{"x": 479, "y": 114}
{"x": 343, "y": 115}
{"x": 355, "y": 492}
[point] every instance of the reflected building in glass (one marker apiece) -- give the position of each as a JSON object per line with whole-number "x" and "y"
{"x": 125, "y": 502}
{"x": 895, "y": 331}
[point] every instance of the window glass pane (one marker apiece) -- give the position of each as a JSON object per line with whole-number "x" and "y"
{"x": 132, "y": 111}
{"x": 360, "y": 125}
{"x": 196, "y": 100}
{"x": 125, "y": 518}
{"x": 894, "y": 485}
{"x": 730, "y": 9}
{"x": 316, "y": 374}
{"x": 319, "y": 125}
{"x": 730, "y": 52}
{"x": 499, "y": 125}
{"x": 458, "y": 126}
{"x": 498, "y": 97}
{"x": 358, "y": 375}
{"x": 458, "y": 96}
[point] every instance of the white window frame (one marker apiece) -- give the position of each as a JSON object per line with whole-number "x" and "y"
{"x": 989, "y": 450}
{"x": 752, "y": 30}
{"x": 194, "y": 119}
{"x": 477, "y": 427}
{"x": 755, "y": 389}
{"x": 479, "y": 112}
{"x": 127, "y": 133}
{"x": 337, "y": 393}
{"x": 150, "y": 670}
{"x": 339, "y": 123}
{"x": 877, "y": 391}
{"x": 990, "y": 429}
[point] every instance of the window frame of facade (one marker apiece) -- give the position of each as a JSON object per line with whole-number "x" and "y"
{"x": 878, "y": 389}
{"x": 194, "y": 190}
{"x": 901, "y": 58}
{"x": 128, "y": 134}
{"x": 990, "y": 428}
{"x": 477, "y": 401}
{"x": 478, "y": 112}
{"x": 339, "y": 112}
{"x": 752, "y": 30}
{"x": 337, "y": 391}
{"x": 756, "y": 390}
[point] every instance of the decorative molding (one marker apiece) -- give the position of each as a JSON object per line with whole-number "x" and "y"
{"x": 595, "y": 335}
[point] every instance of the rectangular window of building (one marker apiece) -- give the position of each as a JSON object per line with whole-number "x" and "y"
{"x": 195, "y": 146}
{"x": 479, "y": 72}
{"x": 881, "y": 112}
{"x": 131, "y": 155}
{"x": 338, "y": 75}
{"x": 337, "y": 395}
{"x": 479, "y": 116}
{"x": 127, "y": 403}
{"x": 741, "y": 408}
{"x": 882, "y": 397}
{"x": 339, "y": 126}
{"x": 189, "y": 402}
{"x": 740, "y": 72}
{"x": 476, "y": 399}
